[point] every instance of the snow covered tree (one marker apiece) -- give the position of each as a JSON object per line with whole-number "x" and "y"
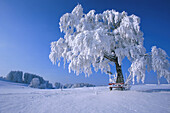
{"x": 105, "y": 39}
{"x": 15, "y": 76}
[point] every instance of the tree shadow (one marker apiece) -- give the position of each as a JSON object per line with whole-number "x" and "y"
{"x": 156, "y": 90}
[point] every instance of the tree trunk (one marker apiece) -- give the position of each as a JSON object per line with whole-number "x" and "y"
{"x": 119, "y": 78}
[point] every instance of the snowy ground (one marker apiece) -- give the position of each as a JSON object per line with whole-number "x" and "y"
{"x": 18, "y": 98}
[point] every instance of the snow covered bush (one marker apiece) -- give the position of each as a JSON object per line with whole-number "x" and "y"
{"x": 46, "y": 85}
{"x": 2, "y": 78}
{"x": 15, "y": 76}
{"x": 35, "y": 83}
{"x": 82, "y": 85}
{"x": 28, "y": 78}
{"x": 58, "y": 85}
{"x": 77, "y": 85}
{"x": 103, "y": 40}
{"x": 49, "y": 86}
{"x": 68, "y": 86}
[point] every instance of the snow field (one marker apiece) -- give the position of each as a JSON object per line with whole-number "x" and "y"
{"x": 18, "y": 98}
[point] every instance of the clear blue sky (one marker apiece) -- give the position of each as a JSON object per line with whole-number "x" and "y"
{"x": 27, "y": 27}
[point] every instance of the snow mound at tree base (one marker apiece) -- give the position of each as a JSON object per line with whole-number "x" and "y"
{"x": 150, "y": 98}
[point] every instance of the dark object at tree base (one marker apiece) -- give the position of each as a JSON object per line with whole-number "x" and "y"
{"x": 121, "y": 88}
{"x": 117, "y": 86}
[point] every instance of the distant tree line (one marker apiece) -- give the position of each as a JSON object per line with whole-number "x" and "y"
{"x": 76, "y": 85}
{"x": 27, "y": 78}
{"x": 37, "y": 81}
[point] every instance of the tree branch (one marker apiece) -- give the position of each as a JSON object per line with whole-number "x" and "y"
{"x": 109, "y": 72}
{"x": 110, "y": 57}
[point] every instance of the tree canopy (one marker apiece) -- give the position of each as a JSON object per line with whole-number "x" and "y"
{"x": 98, "y": 40}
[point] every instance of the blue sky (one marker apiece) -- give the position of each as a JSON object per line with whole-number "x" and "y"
{"x": 27, "y": 27}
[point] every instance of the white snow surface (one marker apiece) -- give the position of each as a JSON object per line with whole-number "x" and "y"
{"x": 19, "y": 98}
